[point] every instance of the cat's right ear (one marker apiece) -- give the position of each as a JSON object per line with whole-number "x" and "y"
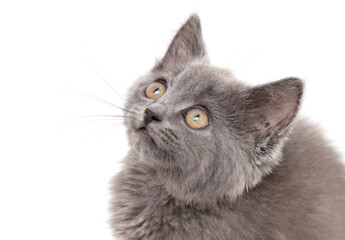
{"x": 186, "y": 45}
{"x": 270, "y": 109}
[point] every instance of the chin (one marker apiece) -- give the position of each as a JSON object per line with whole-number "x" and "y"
{"x": 150, "y": 149}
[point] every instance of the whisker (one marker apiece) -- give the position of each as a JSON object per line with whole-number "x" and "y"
{"x": 120, "y": 116}
{"x": 103, "y": 78}
{"x": 85, "y": 94}
{"x": 101, "y": 115}
{"x": 97, "y": 120}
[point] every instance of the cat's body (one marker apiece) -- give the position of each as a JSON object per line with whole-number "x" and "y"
{"x": 278, "y": 180}
{"x": 303, "y": 199}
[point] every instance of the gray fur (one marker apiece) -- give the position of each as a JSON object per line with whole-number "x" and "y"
{"x": 255, "y": 172}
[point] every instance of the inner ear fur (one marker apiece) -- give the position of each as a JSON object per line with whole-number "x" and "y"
{"x": 270, "y": 108}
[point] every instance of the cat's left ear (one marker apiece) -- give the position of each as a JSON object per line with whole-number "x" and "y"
{"x": 270, "y": 109}
{"x": 186, "y": 45}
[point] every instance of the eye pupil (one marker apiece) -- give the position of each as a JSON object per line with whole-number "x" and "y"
{"x": 156, "y": 91}
{"x": 197, "y": 117}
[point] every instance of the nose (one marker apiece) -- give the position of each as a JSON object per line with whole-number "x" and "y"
{"x": 149, "y": 116}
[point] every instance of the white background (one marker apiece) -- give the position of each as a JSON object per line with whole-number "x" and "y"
{"x": 55, "y": 168}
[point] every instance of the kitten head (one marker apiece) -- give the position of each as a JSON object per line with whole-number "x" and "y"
{"x": 204, "y": 135}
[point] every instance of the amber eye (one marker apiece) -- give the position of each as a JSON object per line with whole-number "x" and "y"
{"x": 196, "y": 118}
{"x": 155, "y": 90}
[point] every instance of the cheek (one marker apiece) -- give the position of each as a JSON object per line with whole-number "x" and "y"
{"x": 197, "y": 143}
{"x": 198, "y": 154}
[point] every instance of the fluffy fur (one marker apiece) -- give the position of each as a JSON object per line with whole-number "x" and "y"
{"x": 255, "y": 172}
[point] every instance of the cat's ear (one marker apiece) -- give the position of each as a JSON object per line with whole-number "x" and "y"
{"x": 270, "y": 109}
{"x": 186, "y": 45}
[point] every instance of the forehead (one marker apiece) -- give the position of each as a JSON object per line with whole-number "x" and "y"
{"x": 196, "y": 78}
{"x": 197, "y": 83}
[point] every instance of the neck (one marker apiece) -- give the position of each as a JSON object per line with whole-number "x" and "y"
{"x": 200, "y": 189}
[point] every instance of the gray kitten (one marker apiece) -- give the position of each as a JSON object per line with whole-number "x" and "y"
{"x": 212, "y": 158}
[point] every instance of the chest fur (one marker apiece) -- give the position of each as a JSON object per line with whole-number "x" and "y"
{"x": 145, "y": 211}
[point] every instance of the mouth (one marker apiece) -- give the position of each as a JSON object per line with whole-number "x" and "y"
{"x": 143, "y": 131}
